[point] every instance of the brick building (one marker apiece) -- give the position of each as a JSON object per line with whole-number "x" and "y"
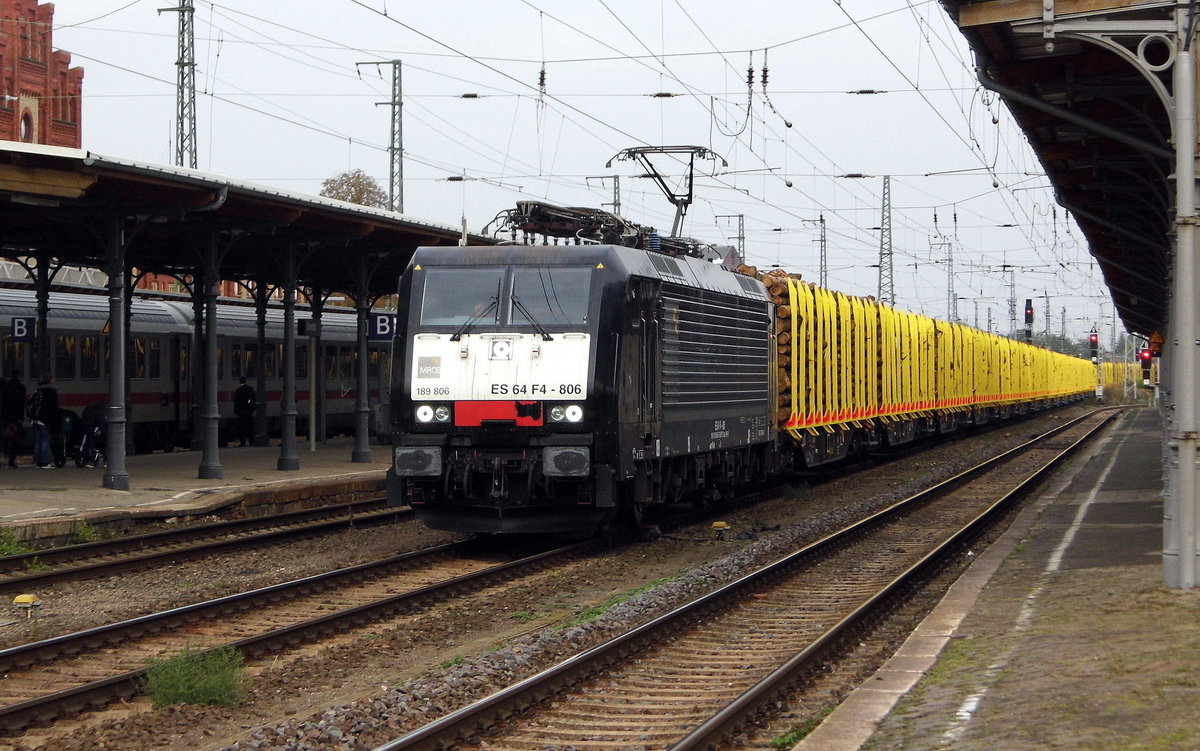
{"x": 39, "y": 90}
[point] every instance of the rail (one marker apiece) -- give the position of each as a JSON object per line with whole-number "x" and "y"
{"x": 445, "y": 732}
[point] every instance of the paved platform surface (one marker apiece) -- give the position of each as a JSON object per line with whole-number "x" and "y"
{"x": 165, "y": 484}
{"x": 1020, "y": 654}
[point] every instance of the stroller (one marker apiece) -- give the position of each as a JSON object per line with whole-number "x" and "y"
{"x": 91, "y": 444}
{"x": 65, "y": 440}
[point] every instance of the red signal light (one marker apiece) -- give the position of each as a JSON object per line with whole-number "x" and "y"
{"x": 1093, "y": 338}
{"x": 1145, "y": 355}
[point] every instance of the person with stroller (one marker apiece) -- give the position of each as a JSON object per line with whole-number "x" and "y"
{"x": 12, "y": 416}
{"x": 91, "y": 447}
{"x": 42, "y": 411}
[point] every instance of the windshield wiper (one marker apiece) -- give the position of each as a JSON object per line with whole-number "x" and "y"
{"x": 475, "y": 318}
{"x": 520, "y": 306}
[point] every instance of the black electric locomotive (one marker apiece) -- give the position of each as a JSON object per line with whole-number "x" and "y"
{"x": 550, "y": 388}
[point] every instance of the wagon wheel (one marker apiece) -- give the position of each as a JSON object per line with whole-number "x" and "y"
{"x": 634, "y": 513}
{"x": 531, "y": 479}
{"x": 464, "y": 480}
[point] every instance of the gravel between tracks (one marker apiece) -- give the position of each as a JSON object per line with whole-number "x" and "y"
{"x": 364, "y": 689}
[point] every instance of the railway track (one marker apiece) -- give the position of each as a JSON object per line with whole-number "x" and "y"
{"x": 106, "y": 557}
{"x": 62, "y": 676}
{"x": 695, "y": 677}
{"x": 67, "y": 674}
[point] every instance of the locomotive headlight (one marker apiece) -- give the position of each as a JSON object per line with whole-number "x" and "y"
{"x": 428, "y": 413}
{"x": 565, "y": 413}
{"x": 500, "y": 349}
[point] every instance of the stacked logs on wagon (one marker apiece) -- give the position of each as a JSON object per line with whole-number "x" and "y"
{"x": 775, "y": 281}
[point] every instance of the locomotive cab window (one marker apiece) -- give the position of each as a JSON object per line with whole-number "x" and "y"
{"x": 520, "y": 296}
{"x": 548, "y": 296}
{"x": 454, "y": 296}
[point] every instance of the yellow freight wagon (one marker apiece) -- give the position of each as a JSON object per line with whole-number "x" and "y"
{"x": 854, "y": 372}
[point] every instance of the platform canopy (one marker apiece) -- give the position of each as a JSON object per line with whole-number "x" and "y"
{"x": 1087, "y": 81}
{"x": 62, "y": 200}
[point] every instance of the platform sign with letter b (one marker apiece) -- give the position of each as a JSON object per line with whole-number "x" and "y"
{"x": 381, "y": 326}
{"x": 24, "y": 328}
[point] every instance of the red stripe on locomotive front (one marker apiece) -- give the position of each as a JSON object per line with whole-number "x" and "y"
{"x": 472, "y": 414}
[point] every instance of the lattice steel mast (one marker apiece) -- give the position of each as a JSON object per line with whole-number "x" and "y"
{"x": 396, "y": 141}
{"x": 185, "y": 94}
{"x": 887, "y": 294}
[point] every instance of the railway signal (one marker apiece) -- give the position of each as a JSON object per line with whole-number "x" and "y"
{"x": 1094, "y": 344}
{"x": 1144, "y": 356}
{"x": 1028, "y": 320}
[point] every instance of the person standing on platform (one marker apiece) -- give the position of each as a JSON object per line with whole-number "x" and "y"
{"x": 243, "y": 407}
{"x": 42, "y": 410}
{"x": 12, "y": 416}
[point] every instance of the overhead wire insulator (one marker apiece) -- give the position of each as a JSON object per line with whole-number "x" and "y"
{"x": 767, "y": 97}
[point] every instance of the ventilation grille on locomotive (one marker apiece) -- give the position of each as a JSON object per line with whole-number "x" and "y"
{"x": 714, "y": 348}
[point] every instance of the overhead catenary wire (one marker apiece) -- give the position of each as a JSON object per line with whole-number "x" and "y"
{"x": 760, "y": 194}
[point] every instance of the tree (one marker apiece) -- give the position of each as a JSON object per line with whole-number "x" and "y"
{"x": 355, "y": 186}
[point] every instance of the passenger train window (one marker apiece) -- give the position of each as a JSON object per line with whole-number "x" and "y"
{"x": 220, "y": 363}
{"x": 346, "y": 366}
{"x": 250, "y": 356}
{"x": 179, "y": 366}
{"x": 139, "y": 358}
{"x": 64, "y": 356}
{"x": 377, "y": 366}
{"x": 14, "y": 355}
{"x": 331, "y": 362}
{"x": 270, "y": 360}
{"x": 154, "y": 359}
{"x": 89, "y": 357}
{"x": 550, "y": 296}
{"x": 453, "y": 295}
{"x": 237, "y": 363}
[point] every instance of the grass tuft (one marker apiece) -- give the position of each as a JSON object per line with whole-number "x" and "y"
{"x": 10, "y": 544}
{"x": 216, "y": 676}
{"x": 797, "y": 734}
{"x": 84, "y": 533}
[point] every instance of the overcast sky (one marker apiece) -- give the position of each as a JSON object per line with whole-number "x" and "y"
{"x": 281, "y": 102}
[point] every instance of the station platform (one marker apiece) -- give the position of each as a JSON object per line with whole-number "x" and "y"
{"x": 1060, "y": 635}
{"x": 40, "y": 504}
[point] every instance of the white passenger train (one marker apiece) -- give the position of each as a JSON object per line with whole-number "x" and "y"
{"x": 160, "y": 341}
